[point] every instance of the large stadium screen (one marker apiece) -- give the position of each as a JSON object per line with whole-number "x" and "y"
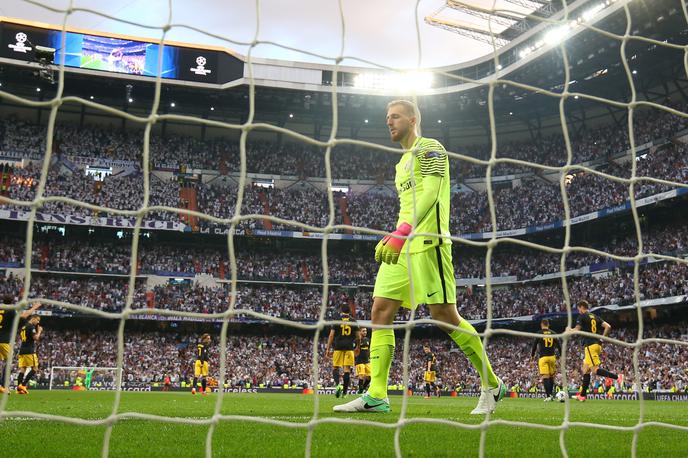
{"x": 114, "y": 54}
{"x": 120, "y": 55}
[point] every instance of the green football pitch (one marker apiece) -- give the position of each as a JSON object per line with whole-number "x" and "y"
{"x": 131, "y": 437}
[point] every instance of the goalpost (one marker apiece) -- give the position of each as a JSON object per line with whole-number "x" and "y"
{"x": 401, "y": 419}
{"x": 75, "y": 377}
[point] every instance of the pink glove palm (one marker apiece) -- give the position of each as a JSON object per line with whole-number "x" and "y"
{"x": 388, "y": 249}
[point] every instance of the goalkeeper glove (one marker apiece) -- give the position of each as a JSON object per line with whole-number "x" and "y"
{"x": 388, "y": 249}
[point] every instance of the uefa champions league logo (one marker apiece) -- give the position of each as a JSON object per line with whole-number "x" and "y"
{"x": 20, "y": 46}
{"x": 200, "y": 69}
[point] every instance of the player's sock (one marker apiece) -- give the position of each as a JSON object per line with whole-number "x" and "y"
{"x": 547, "y": 382}
{"x": 20, "y": 379}
{"x": 586, "y": 384}
{"x": 335, "y": 376}
{"x": 381, "y": 353}
{"x": 347, "y": 380}
{"x": 28, "y": 376}
{"x": 204, "y": 383}
{"x": 2, "y": 375}
{"x": 195, "y": 383}
{"x": 366, "y": 383}
{"x": 427, "y": 389}
{"x": 605, "y": 373}
{"x": 361, "y": 385}
{"x": 472, "y": 347}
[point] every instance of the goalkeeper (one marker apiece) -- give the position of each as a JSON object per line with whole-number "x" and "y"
{"x": 422, "y": 178}
{"x": 89, "y": 376}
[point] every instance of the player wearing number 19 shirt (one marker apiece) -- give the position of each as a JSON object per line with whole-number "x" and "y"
{"x": 201, "y": 364}
{"x": 418, "y": 253}
{"x": 589, "y": 322}
{"x": 545, "y": 346}
{"x": 342, "y": 338}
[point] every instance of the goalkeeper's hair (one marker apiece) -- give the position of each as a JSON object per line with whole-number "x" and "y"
{"x": 410, "y": 108}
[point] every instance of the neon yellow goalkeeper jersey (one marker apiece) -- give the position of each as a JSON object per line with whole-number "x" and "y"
{"x": 426, "y": 157}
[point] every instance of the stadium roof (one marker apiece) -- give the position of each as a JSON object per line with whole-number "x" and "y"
{"x": 381, "y": 31}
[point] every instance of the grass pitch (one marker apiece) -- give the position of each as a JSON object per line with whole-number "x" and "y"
{"x": 132, "y": 437}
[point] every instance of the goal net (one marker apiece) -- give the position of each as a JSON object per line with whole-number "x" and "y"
{"x": 83, "y": 378}
{"x": 495, "y": 85}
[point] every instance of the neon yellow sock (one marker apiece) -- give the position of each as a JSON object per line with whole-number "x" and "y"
{"x": 381, "y": 353}
{"x": 472, "y": 347}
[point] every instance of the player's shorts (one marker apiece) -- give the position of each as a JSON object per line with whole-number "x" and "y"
{"x": 200, "y": 368}
{"x": 28, "y": 360}
{"x": 433, "y": 278}
{"x": 343, "y": 358}
{"x": 430, "y": 376}
{"x": 547, "y": 365}
{"x": 592, "y": 355}
{"x": 4, "y": 351}
{"x": 363, "y": 370}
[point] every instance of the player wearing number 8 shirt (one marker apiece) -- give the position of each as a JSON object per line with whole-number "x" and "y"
{"x": 547, "y": 363}
{"x": 343, "y": 339}
{"x": 589, "y": 322}
{"x": 201, "y": 364}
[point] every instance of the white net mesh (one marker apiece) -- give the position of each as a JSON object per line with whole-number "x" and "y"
{"x": 491, "y": 83}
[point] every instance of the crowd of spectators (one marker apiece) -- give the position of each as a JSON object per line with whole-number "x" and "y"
{"x": 303, "y": 301}
{"x": 344, "y": 267}
{"x": 535, "y": 201}
{"x": 278, "y": 360}
{"x": 23, "y": 139}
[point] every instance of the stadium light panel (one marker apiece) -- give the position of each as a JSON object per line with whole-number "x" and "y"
{"x": 291, "y": 115}
{"x": 131, "y": 100}
{"x": 365, "y": 121}
{"x": 38, "y": 89}
{"x": 212, "y": 108}
{"x": 557, "y": 35}
{"x": 173, "y": 104}
{"x": 439, "y": 121}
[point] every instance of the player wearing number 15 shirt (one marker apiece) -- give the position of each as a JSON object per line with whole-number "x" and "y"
{"x": 589, "y": 322}
{"x": 545, "y": 346}
{"x": 343, "y": 338}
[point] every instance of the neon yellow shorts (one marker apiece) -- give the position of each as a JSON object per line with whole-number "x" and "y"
{"x": 432, "y": 273}
{"x": 28, "y": 360}
{"x": 592, "y": 355}
{"x": 343, "y": 358}
{"x": 430, "y": 376}
{"x": 548, "y": 365}
{"x": 363, "y": 370}
{"x": 201, "y": 368}
{"x": 4, "y": 351}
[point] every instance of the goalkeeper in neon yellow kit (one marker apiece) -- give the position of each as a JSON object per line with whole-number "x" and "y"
{"x": 423, "y": 170}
